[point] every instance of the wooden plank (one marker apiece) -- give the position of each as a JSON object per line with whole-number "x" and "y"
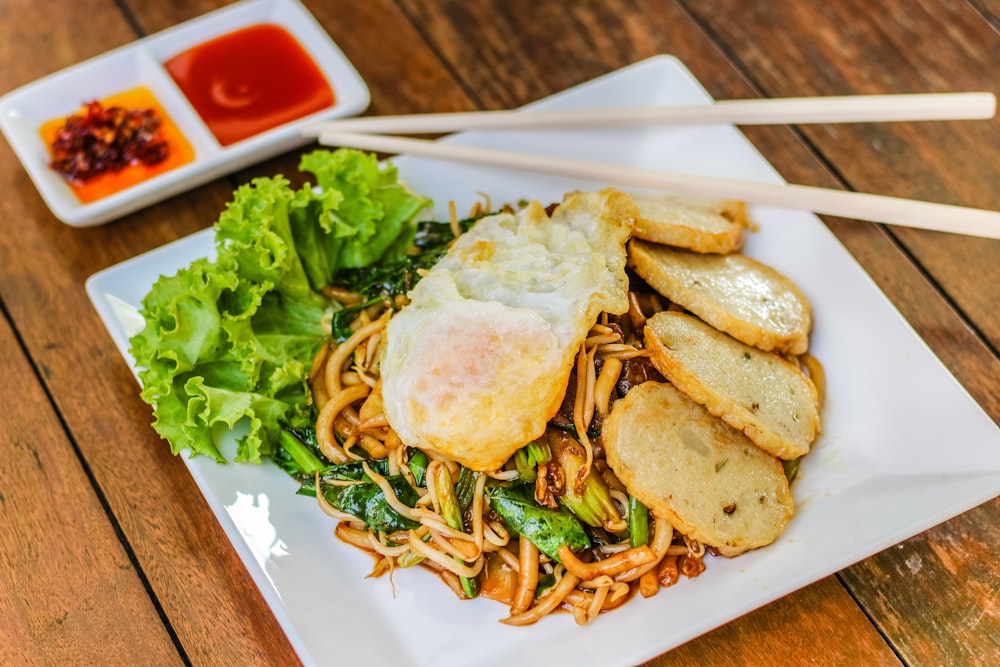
{"x": 201, "y": 584}
{"x": 68, "y": 590}
{"x": 935, "y": 596}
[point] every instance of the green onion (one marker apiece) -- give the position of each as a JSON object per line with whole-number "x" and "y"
{"x": 638, "y": 523}
{"x": 452, "y": 513}
{"x": 418, "y": 466}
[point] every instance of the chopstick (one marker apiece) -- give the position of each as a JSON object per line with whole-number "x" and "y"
{"x": 793, "y": 110}
{"x": 841, "y": 203}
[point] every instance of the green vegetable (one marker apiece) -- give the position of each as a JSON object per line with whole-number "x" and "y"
{"x": 387, "y": 279}
{"x": 465, "y": 488}
{"x": 410, "y": 558}
{"x": 434, "y": 234}
{"x": 365, "y": 501}
{"x": 593, "y": 431}
{"x": 390, "y": 277}
{"x": 340, "y": 323}
{"x": 545, "y": 582}
{"x": 445, "y": 487}
{"x": 638, "y": 523}
{"x": 528, "y": 458}
{"x": 231, "y": 339}
{"x": 375, "y": 211}
{"x": 299, "y": 454}
{"x": 452, "y": 513}
{"x": 546, "y": 528}
{"x": 592, "y": 504}
{"x": 352, "y": 471}
{"x": 418, "y": 465}
{"x": 791, "y": 467}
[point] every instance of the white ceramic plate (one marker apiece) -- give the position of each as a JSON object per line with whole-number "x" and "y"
{"x": 140, "y": 63}
{"x": 903, "y": 446}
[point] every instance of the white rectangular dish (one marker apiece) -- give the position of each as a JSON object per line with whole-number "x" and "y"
{"x": 141, "y": 63}
{"x": 877, "y": 475}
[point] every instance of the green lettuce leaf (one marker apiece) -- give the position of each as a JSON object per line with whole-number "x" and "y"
{"x": 232, "y": 339}
{"x": 376, "y": 212}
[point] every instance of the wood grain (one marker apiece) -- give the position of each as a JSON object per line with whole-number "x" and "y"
{"x": 68, "y": 591}
{"x": 946, "y": 578}
{"x": 193, "y": 572}
{"x": 928, "y": 601}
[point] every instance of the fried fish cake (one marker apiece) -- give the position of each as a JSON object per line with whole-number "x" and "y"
{"x": 696, "y": 224}
{"x": 760, "y": 393}
{"x": 734, "y": 293}
{"x": 689, "y": 467}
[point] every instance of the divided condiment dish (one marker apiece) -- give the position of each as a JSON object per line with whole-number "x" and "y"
{"x": 141, "y": 63}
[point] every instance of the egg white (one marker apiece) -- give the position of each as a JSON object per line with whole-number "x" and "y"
{"x": 478, "y": 362}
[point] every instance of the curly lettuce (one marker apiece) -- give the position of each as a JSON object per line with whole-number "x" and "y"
{"x": 231, "y": 339}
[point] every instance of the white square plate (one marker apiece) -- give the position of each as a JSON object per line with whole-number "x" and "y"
{"x": 903, "y": 447}
{"x": 140, "y": 63}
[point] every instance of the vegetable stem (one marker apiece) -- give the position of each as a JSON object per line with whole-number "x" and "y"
{"x": 307, "y": 462}
{"x": 528, "y": 458}
{"x": 452, "y": 513}
{"x": 465, "y": 489}
{"x": 638, "y": 523}
{"x": 418, "y": 466}
{"x": 593, "y": 505}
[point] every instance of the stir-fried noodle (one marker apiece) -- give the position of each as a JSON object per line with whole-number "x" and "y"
{"x": 469, "y": 545}
{"x": 351, "y": 426}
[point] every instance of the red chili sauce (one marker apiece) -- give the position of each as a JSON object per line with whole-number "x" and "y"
{"x": 249, "y": 81}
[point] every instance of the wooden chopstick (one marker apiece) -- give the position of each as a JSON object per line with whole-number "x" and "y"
{"x": 841, "y": 203}
{"x": 794, "y": 110}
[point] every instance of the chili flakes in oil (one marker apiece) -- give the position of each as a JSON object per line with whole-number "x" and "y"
{"x": 100, "y": 140}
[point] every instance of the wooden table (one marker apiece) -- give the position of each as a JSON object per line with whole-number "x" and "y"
{"x": 109, "y": 555}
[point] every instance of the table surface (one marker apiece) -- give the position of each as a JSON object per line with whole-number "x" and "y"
{"x": 108, "y": 553}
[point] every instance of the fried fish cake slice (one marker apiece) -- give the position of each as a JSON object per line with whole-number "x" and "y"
{"x": 696, "y": 224}
{"x": 759, "y": 393}
{"x": 748, "y": 300}
{"x": 689, "y": 467}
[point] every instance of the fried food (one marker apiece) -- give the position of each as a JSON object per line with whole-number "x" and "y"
{"x": 696, "y": 224}
{"x": 759, "y": 393}
{"x": 686, "y": 465}
{"x": 494, "y": 328}
{"x": 749, "y": 300}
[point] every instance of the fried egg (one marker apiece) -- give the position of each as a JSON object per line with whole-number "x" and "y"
{"x": 478, "y": 362}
